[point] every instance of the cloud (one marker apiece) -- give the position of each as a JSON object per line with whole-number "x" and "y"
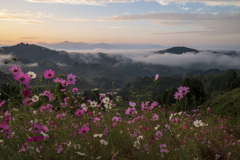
{"x": 61, "y": 64}
{"x": 123, "y": 27}
{"x": 222, "y": 23}
{"x": 78, "y": 20}
{"x": 162, "y": 2}
{"x": 185, "y": 8}
{"x": 30, "y": 65}
{"x": 206, "y": 2}
{"x": 186, "y": 32}
{"x": 28, "y": 37}
{"x": 187, "y": 59}
{"x": 4, "y": 57}
{"x": 79, "y": 2}
{"x": 26, "y": 17}
{"x": 206, "y": 59}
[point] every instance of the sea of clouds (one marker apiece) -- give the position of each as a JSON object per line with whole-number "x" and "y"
{"x": 211, "y": 58}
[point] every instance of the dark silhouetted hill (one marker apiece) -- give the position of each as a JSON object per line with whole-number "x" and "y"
{"x": 35, "y": 53}
{"x": 177, "y": 50}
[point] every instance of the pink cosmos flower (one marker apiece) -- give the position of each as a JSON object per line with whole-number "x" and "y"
{"x": 84, "y": 130}
{"x": 56, "y": 80}
{"x": 115, "y": 119}
{"x": 156, "y": 77}
{"x": 143, "y": 107}
{"x": 2, "y": 103}
{"x": 66, "y": 99}
{"x": 163, "y": 146}
{"x": 71, "y": 78}
{"x": 155, "y": 117}
{"x": 163, "y": 150}
{"x": 105, "y": 132}
{"x": 131, "y": 110}
{"x": 178, "y": 96}
{"x": 59, "y": 150}
{"x": 49, "y": 74}
{"x": 23, "y": 149}
{"x": 51, "y": 97}
{"x": 27, "y": 91}
{"x": 49, "y": 106}
{"x": 27, "y": 101}
{"x": 45, "y": 129}
{"x": 217, "y": 156}
{"x": 42, "y": 109}
{"x": 96, "y": 119}
{"x": 35, "y": 139}
{"x": 7, "y": 131}
{"x": 209, "y": 110}
{"x": 62, "y": 90}
{"x": 158, "y": 134}
{"x": 46, "y": 93}
{"x": 15, "y": 70}
{"x": 23, "y": 78}
{"x": 183, "y": 90}
{"x": 64, "y": 83}
{"x": 74, "y": 90}
{"x": 153, "y": 105}
{"x": 37, "y": 128}
{"x": 132, "y": 104}
{"x": 79, "y": 112}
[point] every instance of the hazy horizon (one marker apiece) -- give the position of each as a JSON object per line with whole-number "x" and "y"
{"x": 95, "y": 50}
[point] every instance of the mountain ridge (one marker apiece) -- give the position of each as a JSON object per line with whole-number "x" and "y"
{"x": 90, "y": 46}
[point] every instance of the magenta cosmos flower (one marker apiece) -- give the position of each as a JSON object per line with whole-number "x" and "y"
{"x": 37, "y": 128}
{"x": 15, "y": 70}
{"x": 84, "y": 130}
{"x": 22, "y": 78}
{"x": 49, "y": 74}
{"x": 74, "y": 90}
{"x": 71, "y": 78}
{"x": 79, "y": 112}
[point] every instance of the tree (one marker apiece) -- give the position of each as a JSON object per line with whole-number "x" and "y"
{"x": 197, "y": 95}
{"x": 232, "y": 82}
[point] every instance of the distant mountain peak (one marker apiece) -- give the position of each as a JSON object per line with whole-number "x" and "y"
{"x": 177, "y": 50}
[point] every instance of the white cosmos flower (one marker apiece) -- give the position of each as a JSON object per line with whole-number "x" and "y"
{"x": 35, "y": 98}
{"x": 93, "y": 104}
{"x": 108, "y": 106}
{"x": 156, "y": 127}
{"x": 80, "y": 153}
{"x": 97, "y": 135}
{"x": 199, "y": 123}
{"x": 106, "y": 100}
{"x": 137, "y": 144}
{"x": 102, "y": 141}
{"x": 32, "y": 74}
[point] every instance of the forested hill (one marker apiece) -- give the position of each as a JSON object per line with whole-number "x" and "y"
{"x": 28, "y": 53}
{"x": 177, "y": 50}
{"x": 207, "y": 83}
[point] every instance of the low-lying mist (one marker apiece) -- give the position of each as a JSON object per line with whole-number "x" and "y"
{"x": 211, "y": 59}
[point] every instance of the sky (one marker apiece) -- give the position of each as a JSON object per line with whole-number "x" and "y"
{"x": 198, "y": 23}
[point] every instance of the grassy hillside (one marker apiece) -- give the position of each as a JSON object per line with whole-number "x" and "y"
{"x": 225, "y": 104}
